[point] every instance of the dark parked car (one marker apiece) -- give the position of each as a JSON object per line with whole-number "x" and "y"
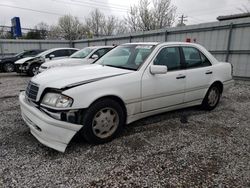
{"x": 7, "y": 63}
{"x": 30, "y": 65}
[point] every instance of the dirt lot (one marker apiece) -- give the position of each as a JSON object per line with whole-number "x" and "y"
{"x": 211, "y": 149}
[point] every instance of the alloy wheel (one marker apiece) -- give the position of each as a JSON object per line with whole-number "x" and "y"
{"x": 105, "y": 122}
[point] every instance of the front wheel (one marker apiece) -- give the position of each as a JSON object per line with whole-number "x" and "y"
{"x": 102, "y": 121}
{"x": 33, "y": 69}
{"x": 9, "y": 67}
{"x": 212, "y": 98}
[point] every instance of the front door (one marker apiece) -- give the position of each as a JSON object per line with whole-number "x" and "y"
{"x": 164, "y": 90}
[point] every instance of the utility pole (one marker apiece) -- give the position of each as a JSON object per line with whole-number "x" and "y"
{"x": 182, "y": 19}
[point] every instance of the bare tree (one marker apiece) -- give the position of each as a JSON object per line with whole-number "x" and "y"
{"x": 132, "y": 19}
{"x": 43, "y": 29}
{"x": 71, "y": 28}
{"x": 100, "y": 25}
{"x": 5, "y": 33}
{"x": 148, "y": 16}
{"x": 163, "y": 13}
{"x": 2, "y": 33}
{"x": 121, "y": 27}
{"x": 109, "y": 25}
{"x": 54, "y": 32}
{"x": 146, "y": 22}
{"x": 95, "y": 22}
{"x": 245, "y": 8}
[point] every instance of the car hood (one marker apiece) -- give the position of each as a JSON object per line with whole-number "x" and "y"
{"x": 6, "y": 58}
{"x": 66, "y": 77}
{"x": 64, "y": 62}
{"x": 23, "y": 60}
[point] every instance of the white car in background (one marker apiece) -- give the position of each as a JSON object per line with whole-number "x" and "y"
{"x": 85, "y": 56}
{"x": 130, "y": 82}
{"x": 30, "y": 65}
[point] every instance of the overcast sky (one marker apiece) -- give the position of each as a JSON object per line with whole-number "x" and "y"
{"x": 32, "y": 12}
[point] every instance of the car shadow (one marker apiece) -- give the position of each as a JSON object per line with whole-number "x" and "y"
{"x": 130, "y": 129}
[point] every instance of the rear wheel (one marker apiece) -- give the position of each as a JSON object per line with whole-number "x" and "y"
{"x": 212, "y": 98}
{"x": 102, "y": 121}
{"x": 33, "y": 69}
{"x": 9, "y": 67}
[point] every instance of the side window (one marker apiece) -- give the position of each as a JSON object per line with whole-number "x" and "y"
{"x": 71, "y": 52}
{"x": 170, "y": 57}
{"x": 101, "y": 52}
{"x": 194, "y": 58}
{"x": 60, "y": 53}
{"x": 205, "y": 61}
{"x": 33, "y": 52}
{"x": 28, "y": 53}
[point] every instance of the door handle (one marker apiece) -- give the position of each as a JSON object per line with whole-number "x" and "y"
{"x": 209, "y": 72}
{"x": 180, "y": 76}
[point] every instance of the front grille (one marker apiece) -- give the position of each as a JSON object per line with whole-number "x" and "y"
{"x": 31, "y": 91}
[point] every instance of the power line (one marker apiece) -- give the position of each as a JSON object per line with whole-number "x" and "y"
{"x": 23, "y": 28}
{"x": 196, "y": 12}
{"x": 108, "y": 8}
{"x": 33, "y": 10}
{"x": 100, "y": 3}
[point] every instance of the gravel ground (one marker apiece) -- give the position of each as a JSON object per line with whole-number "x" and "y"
{"x": 185, "y": 148}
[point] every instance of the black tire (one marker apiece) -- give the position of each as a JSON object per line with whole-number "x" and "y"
{"x": 33, "y": 69}
{"x": 9, "y": 67}
{"x": 208, "y": 103}
{"x": 89, "y": 121}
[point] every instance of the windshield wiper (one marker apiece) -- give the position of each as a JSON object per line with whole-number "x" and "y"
{"x": 127, "y": 68}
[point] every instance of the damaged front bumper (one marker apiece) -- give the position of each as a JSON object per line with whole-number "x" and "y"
{"x": 53, "y": 133}
{"x": 19, "y": 68}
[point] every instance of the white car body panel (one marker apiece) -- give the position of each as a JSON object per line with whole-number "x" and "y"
{"x": 55, "y": 134}
{"x": 143, "y": 94}
{"x": 64, "y": 62}
{"x": 23, "y": 60}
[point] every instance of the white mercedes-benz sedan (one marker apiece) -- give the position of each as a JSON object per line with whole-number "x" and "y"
{"x": 130, "y": 82}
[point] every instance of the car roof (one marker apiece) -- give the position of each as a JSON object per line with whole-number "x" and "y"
{"x": 141, "y": 43}
{"x": 97, "y": 47}
{"x": 33, "y": 50}
{"x": 53, "y": 49}
{"x": 165, "y": 43}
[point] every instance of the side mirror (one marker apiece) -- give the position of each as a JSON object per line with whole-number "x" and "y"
{"x": 158, "y": 69}
{"x": 94, "y": 56}
{"x": 51, "y": 56}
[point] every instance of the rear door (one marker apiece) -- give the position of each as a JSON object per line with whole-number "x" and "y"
{"x": 199, "y": 73}
{"x": 164, "y": 90}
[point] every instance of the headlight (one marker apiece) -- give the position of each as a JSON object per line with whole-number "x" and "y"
{"x": 25, "y": 64}
{"x": 42, "y": 59}
{"x": 57, "y": 100}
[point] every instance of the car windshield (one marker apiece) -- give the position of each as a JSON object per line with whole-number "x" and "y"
{"x": 19, "y": 54}
{"x": 82, "y": 53}
{"x": 126, "y": 56}
{"x": 44, "y": 53}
